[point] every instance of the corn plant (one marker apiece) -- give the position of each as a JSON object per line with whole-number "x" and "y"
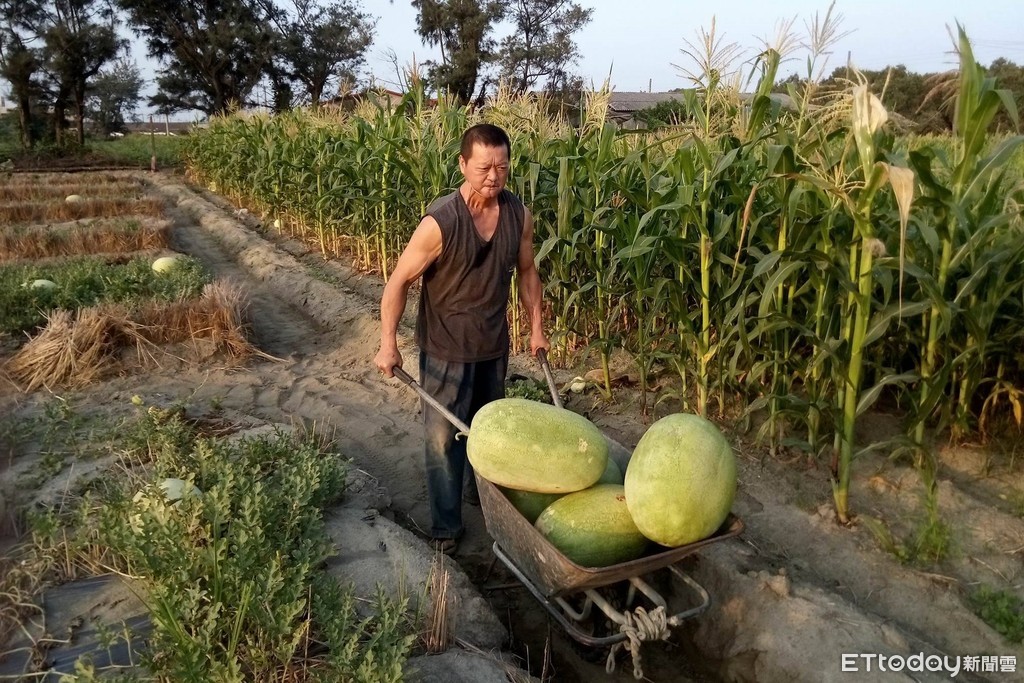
{"x": 795, "y": 256}
{"x": 966, "y": 240}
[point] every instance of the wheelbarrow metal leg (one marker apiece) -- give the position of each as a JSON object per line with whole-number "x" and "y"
{"x": 705, "y": 598}
{"x": 553, "y": 610}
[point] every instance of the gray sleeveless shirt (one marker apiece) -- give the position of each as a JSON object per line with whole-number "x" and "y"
{"x": 464, "y": 298}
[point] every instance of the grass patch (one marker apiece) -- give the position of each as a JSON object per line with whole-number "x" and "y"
{"x": 136, "y": 149}
{"x": 100, "y": 236}
{"x": 62, "y": 432}
{"x": 232, "y": 576}
{"x": 1000, "y": 609}
{"x": 82, "y": 282}
{"x": 133, "y": 150}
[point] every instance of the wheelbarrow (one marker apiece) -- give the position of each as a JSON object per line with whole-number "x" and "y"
{"x": 561, "y": 585}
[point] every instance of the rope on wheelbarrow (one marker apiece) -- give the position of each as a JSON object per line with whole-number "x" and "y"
{"x": 640, "y": 625}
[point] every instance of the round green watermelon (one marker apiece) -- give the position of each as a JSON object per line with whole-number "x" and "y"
{"x": 681, "y": 480}
{"x": 593, "y": 527}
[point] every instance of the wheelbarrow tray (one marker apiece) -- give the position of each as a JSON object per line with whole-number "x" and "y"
{"x": 552, "y": 573}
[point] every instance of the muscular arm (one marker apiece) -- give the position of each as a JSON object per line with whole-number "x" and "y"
{"x": 423, "y": 249}
{"x": 530, "y": 288}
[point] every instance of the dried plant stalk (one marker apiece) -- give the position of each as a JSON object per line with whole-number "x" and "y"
{"x": 36, "y": 212}
{"x": 26, "y": 192}
{"x": 439, "y": 631}
{"x": 76, "y": 238}
{"x": 77, "y": 347}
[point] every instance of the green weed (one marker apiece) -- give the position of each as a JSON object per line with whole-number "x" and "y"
{"x": 233, "y": 577}
{"x": 930, "y": 541}
{"x": 138, "y": 149}
{"x": 1000, "y": 609}
{"x": 531, "y": 389}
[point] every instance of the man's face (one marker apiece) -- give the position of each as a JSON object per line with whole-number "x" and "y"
{"x": 486, "y": 169}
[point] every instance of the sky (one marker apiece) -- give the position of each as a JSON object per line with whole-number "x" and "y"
{"x": 639, "y": 43}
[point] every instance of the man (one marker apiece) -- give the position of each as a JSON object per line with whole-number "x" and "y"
{"x": 466, "y": 249}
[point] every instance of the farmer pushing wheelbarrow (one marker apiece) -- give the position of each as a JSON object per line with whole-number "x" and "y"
{"x": 466, "y": 249}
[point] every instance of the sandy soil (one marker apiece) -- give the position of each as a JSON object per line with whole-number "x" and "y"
{"x": 320, "y": 320}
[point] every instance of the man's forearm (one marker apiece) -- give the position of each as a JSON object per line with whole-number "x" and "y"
{"x": 531, "y": 293}
{"x": 392, "y": 306}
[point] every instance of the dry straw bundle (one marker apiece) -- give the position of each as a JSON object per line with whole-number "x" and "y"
{"x": 60, "y": 210}
{"x": 77, "y": 347}
{"x": 217, "y": 316}
{"x": 97, "y": 237}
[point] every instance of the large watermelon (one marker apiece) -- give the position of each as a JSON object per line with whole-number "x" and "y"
{"x": 532, "y": 446}
{"x": 681, "y": 480}
{"x": 593, "y": 528}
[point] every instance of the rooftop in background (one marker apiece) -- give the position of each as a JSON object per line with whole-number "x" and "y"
{"x": 623, "y": 105}
{"x": 163, "y": 127}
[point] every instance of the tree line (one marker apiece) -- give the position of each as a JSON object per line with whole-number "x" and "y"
{"x": 924, "y": 102}
{"x": 921, "y": 103}
{"x": 68, "y": 57}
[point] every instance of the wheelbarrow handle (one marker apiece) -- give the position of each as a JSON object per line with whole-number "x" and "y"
{"x": 542, "y": 356}
{"x": 407, "y": 378}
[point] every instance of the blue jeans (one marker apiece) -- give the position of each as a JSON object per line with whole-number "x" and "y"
{"x": 462, "y": 388}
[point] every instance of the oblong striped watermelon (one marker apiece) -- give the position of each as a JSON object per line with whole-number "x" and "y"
{"x": 532, "y": 446}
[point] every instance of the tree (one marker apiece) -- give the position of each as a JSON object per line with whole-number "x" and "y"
{"x": 19, "y": 66}
{"x": 1009, "y": 76}
{"x": 79, "y": 47}
{"x": 541, "y": 43}
{"x": 114, "y": 97}
{"x": 79, "y": 37}
{"x": 325, "y": 45}
{"x": 214, "y": 52}
{"x": 903, "y": 92}
{"x": 461, "y": 28}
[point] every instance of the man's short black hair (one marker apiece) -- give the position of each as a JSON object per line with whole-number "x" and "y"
{"x": 486, "y": 134}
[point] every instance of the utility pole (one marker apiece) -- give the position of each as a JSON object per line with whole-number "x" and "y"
{"x": 152, "y": 145}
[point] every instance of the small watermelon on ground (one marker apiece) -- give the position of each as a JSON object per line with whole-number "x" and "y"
{"x": 171, "y": 492}
{"x": 165, "y": 264}
{"x": 593, "y": 528}
{"x": 681, "y": 480}
{"x": 533, "y": 446}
